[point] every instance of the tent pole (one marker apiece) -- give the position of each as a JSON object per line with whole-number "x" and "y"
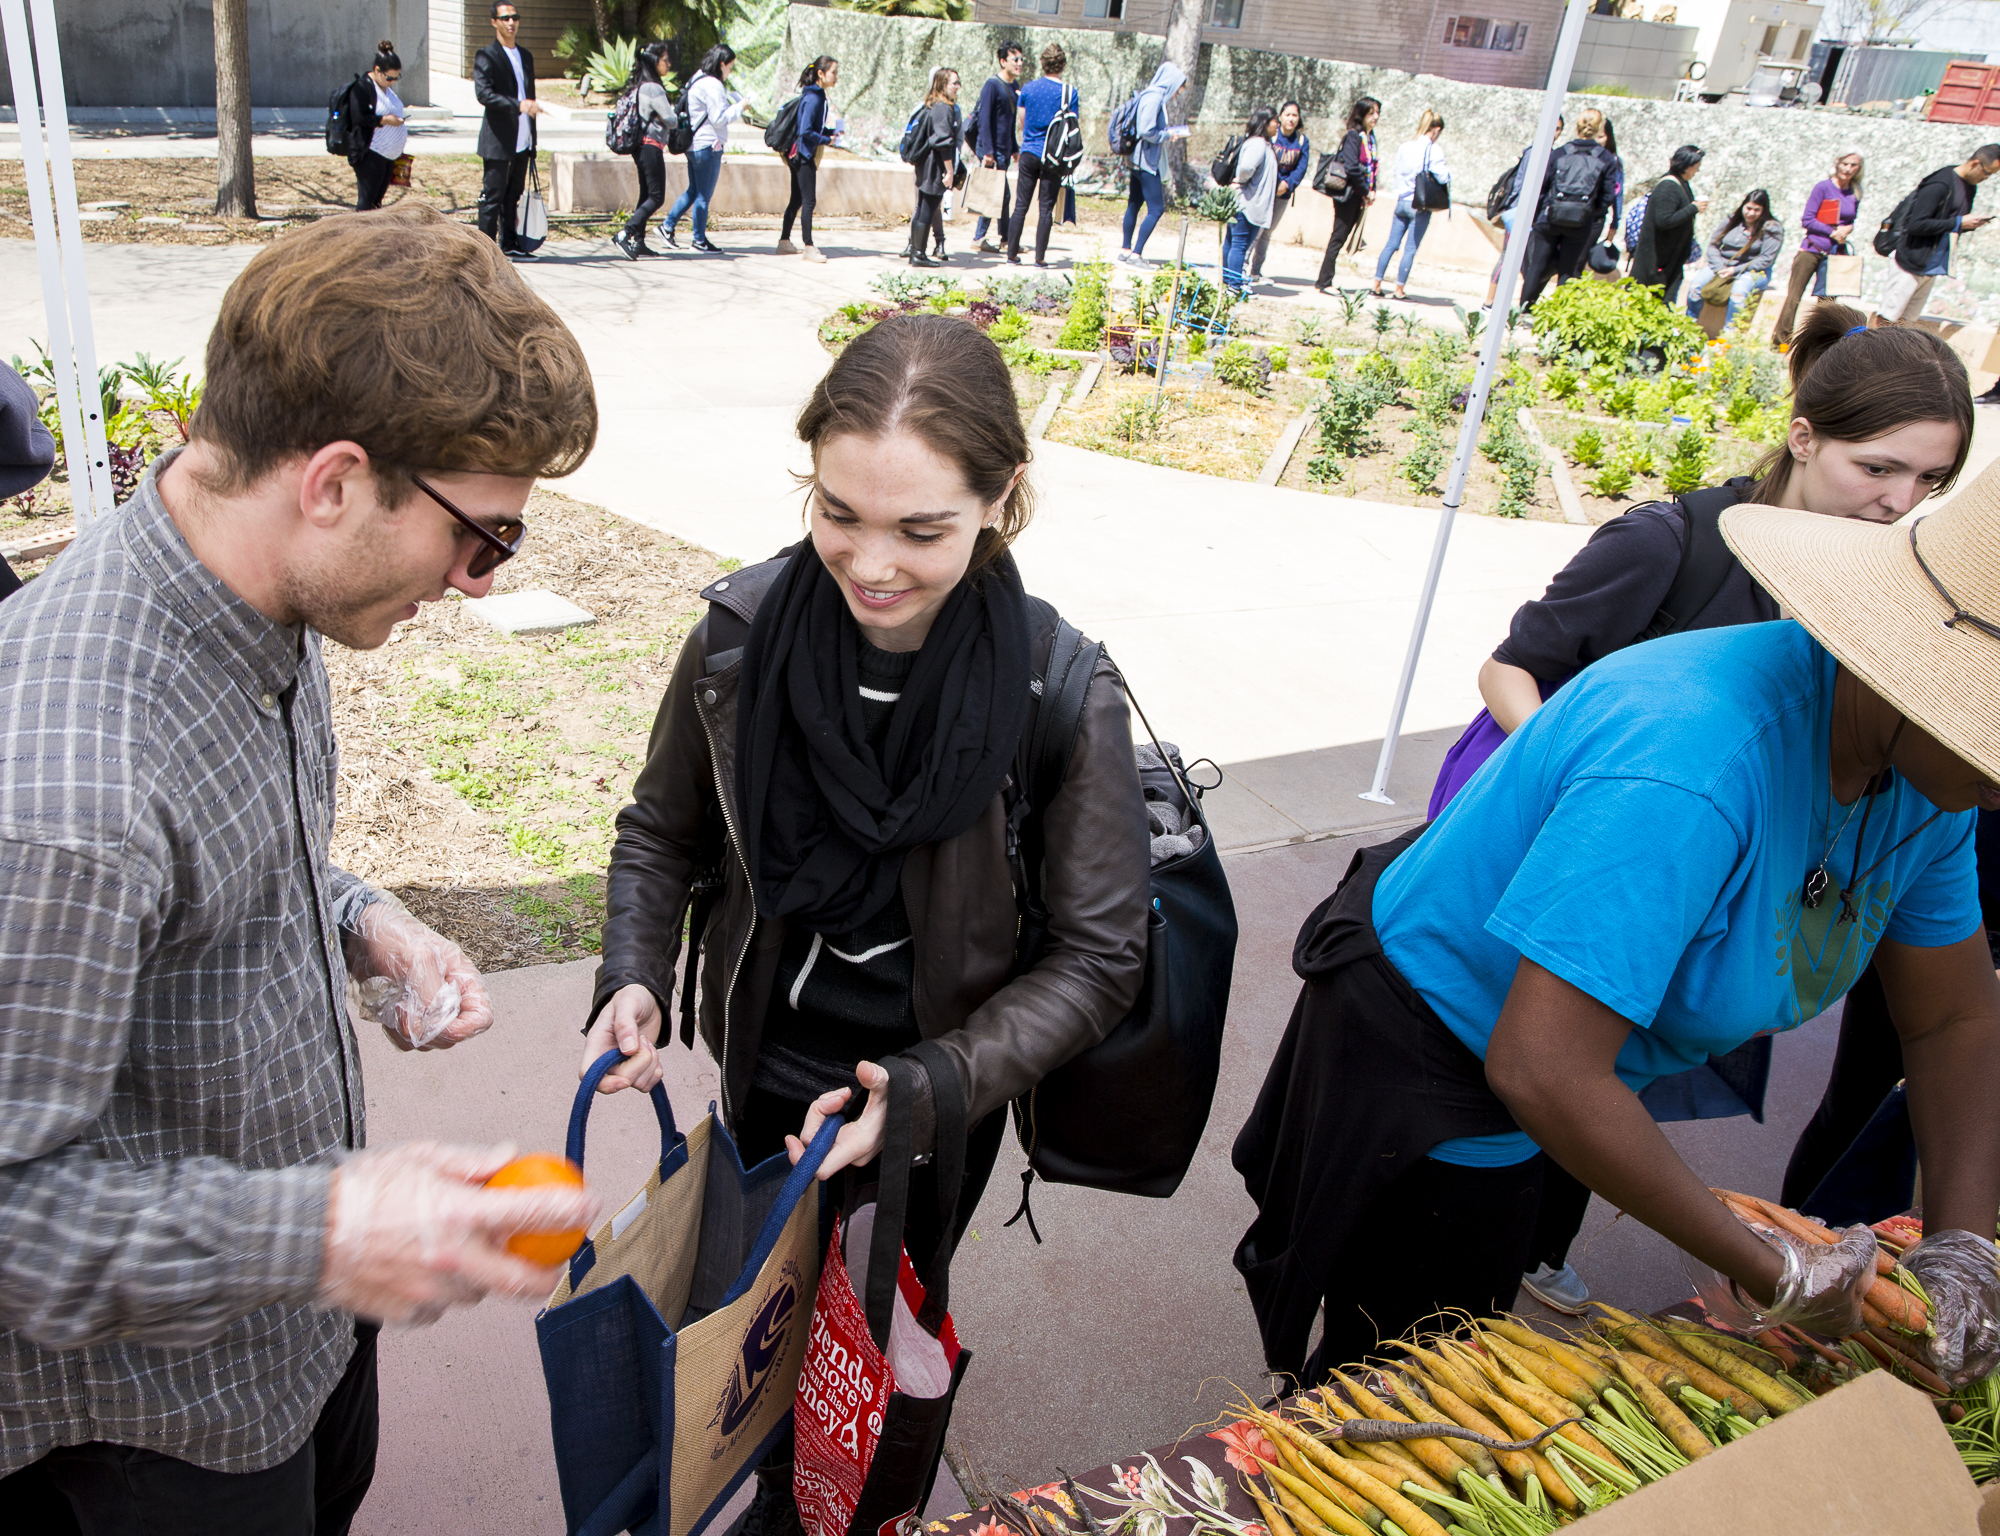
{"x": 1482, "y": 384}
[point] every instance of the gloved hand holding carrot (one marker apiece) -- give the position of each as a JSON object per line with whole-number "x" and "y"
{"x": 1822, "y": 1289}
{"x": 1957, "y": 1271}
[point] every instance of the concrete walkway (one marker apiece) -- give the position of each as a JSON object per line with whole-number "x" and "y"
{"x": 1125, "y": 1327}
{"x": 1258, "y": 626}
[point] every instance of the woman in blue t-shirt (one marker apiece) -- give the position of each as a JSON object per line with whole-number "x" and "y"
{"x": 1697, "y": 841}
{"x": 1041, "y": 100}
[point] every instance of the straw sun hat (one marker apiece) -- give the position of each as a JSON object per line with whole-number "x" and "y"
{"x": 1911, "y": 609}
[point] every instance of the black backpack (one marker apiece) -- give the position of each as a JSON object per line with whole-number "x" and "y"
{"x": 1127, "y": 1114}
{"x": 1705, "y": 564}
{"x": 1505, "y": 192}
{"x": 1223, "y": 167}
{"x": 623, "y": 131}
{"x": 783, "y": 131}
{"x": 1062, "y": 145}
{"x": 916, "y": 137}
{"x": 343, "y": 137}
{"x": 1122, "y": 132}
{"x": 1572, "y": 197}
{"x": 680, "y": 131}
{"x": 1889, "y": 234}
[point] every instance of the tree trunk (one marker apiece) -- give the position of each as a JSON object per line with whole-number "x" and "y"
{"x": 600, "y": 18}
{"x": 235, "y": 173}
{"x": 1183, "y": 49}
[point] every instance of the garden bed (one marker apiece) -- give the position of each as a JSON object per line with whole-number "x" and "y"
{"x": 1636, "y": 401}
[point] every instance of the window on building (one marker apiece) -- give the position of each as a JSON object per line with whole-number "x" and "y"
{"x": 1484, "y": 32}
{"x": 1040, "y": 7}
{"x": 1104, "y": 10}
{"x": 1227, "y": 14}
{"x": 1800, "y": 44}
{"x": 1771, "y": 39}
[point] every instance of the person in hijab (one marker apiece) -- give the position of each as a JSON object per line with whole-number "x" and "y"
{"x": 1146, "y": 188}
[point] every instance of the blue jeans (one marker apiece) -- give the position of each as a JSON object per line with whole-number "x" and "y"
{"x": 1408, "y": 220}
{"x": 1144, "y": 185}
{"x": 1236, "y": 250}
{"x": 704, "y": 169}
{"x": 1746, "y": 287}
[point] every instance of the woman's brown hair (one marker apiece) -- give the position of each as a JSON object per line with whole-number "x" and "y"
{"x": 942, "y": 380}
{"x": 940, "y": 77}
{"x": 1857, "y": 385}
{"x": 1054, "y": 60}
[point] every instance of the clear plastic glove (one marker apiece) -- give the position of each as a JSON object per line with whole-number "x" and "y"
{"x": 1958, "y": 1271}
{"x": 1821, "y": 1289}
{"x": 414, "y": 982}
{"x": 411, "y": 1232}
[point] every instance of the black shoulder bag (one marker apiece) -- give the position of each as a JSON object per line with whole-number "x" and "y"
{"x": 1127, "y": 1113}
{"x": 1706, "y": 562}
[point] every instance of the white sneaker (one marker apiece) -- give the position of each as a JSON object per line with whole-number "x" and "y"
{"x": 1561, "y": 1290}
{"x": 812, "y": 253}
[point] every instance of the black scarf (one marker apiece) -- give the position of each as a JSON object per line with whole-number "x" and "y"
{"x": 826, "y": 819}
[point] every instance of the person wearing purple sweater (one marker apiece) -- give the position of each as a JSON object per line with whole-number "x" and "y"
{"x": 1828, "y": 221}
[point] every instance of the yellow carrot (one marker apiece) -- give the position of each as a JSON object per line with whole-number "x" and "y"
{"x": 1421, "y": 1412}
{"x": 1646, "y": 1337}
{"x": 1547, "y": 1410}
{"x": 1674, "y": 1424}
{"x": 1521, "y": 1426}
{"x": 1438, "y": 1455}
{"x": 1292, "y": 1489}
{"x": 1308, "y": 1472}
{"x": 1274, "y": 1522}
{"x": 1739, "y": 1373}
{"x": 1551, "y": 1375}
{"x": 1558, "y": 1350}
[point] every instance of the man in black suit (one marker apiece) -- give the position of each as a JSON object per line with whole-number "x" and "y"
{"x": 503, "y": 80}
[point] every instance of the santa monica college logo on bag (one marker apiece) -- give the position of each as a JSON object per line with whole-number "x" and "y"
{"x": 763, "y": 1349}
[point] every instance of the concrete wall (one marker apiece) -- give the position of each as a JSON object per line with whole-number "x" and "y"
{"x": 885, "y": 59}
{"x": 1646, "y": 56}
{"x": 749, "y": 183}
{"x": 542, "y": 22}
{"x": 1407, "y": 33}
{"x": 161, "y": 53}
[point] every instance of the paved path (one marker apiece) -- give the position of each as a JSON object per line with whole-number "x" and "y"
{"x": 1259, "y": 626}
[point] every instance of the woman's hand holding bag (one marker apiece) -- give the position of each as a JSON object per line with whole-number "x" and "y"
{"x": 630, "y": 1025}
{"x": 860, "y": 1140}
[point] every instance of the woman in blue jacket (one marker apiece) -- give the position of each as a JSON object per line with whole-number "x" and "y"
{"x": 814, "y": 134}
{"x": 1148, "y": 160}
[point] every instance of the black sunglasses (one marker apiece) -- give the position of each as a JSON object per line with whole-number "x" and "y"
{"x": 497, "y": 545}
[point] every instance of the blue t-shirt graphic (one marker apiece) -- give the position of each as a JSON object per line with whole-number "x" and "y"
{"x": 1041, "y": 100}
{"x": 1646, "y": 836}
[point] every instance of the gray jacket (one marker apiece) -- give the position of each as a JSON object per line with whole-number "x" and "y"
{"x": 1256, "y": 181}
{"x": 1737, "y": 249}
{"x": 1152, "y": 116}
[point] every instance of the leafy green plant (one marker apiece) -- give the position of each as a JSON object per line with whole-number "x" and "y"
{"x": 934, "y": 10}
{"x": 1612, "y": 322}
{"x": 1244, "y": 367}
{"x": 1379, "y": 371}
{"x": 1425, "y": 461}
{"x": 1410, "y": 324}
{"x": 1688, "y": 466}
{"x": 1280, "y": 357}
{"x": 1320, "y": 362}
{"x": 1382, "y": 321}
{"x": 1473, "y": 321}
{"x": 1025, "y": 354}
{"x": 1307, "y": 331}
{"x": 1561, "y": 383}
{"x": 1622, "y": 397}
{"x": 1197, "y": 343}
{"x": 1346, "y": 419}
{"x": 1586, "y": 449}
{"x": 1011, "y": 326}
{"x": 1637, "y": 454}
{"x": 1612, "y": 481}
{"x": 1139, "y": 419}
{"x": 1741, "y": 408}
{"x": 1352, "y": 302}
{"x": 1512, "y": 453}
{"x": 1089, "y": 296}
{"x": 605, "y": 70}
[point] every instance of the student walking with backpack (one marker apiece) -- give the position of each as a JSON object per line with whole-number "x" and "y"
{"x": 1294, "y": 151}
{"x": 1917, "y": 236}
{"x": 932, "y": 141}
{"x": 656, "y": 117}
{"x": 374, "y": 114}
{"x": 835, "y": 750}
{"x": 1045, "y": 103}
{"x": 1503, "y": 207}
{"x": 1661, "y": 569}
{"x": 1353, "y": 164}
{"x": 1422, "y": 186}
{"x": 809, "y": 140}
{"x": 993, "y": 141}
{"x": 1659, "y": 259}
{"x": 1256, "y": 188}
{"x": 1576, "y": 193}
{"x": 1145, "y": 187}
{"x": 1831, "y": 209}
{"x": 711, "y": 108}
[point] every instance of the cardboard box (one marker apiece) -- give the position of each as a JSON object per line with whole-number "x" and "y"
{"x": 1871, "y": 1457}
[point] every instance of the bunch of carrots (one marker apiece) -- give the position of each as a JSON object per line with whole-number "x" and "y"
{"x": 1895, "y": 1313}
{"x": 1608, "y": 1412}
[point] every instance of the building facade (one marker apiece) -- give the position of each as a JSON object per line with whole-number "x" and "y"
{"x": 1484, "y": 42}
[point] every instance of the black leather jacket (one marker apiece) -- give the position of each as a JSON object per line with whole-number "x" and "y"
{"x": 1004, "y": 1035}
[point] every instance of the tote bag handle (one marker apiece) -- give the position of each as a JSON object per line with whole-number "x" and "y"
{"x": 586, "y": 1093}
{"x": 885, "y": 1252}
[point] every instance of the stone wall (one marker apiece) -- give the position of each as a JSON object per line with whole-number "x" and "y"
{"x": 885, "y": 62}
{"x": 149, "y": 53}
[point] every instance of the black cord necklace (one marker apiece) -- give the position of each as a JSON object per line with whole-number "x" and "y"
{"x": 1815, "y": 886}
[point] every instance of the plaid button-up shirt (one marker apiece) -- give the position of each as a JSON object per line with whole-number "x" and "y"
{"x": 177, "y": 1068}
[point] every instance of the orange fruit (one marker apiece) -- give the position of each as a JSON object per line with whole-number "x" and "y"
{"x": 544, "y": 1248}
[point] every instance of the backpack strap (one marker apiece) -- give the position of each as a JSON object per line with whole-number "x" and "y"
{"x": 1706, "y": 561}
{"x": 1048, "y": 741}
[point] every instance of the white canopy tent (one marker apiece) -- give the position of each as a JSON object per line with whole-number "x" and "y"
{"x": 1482, "y": 384}
{"x": 35, "y": 62}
